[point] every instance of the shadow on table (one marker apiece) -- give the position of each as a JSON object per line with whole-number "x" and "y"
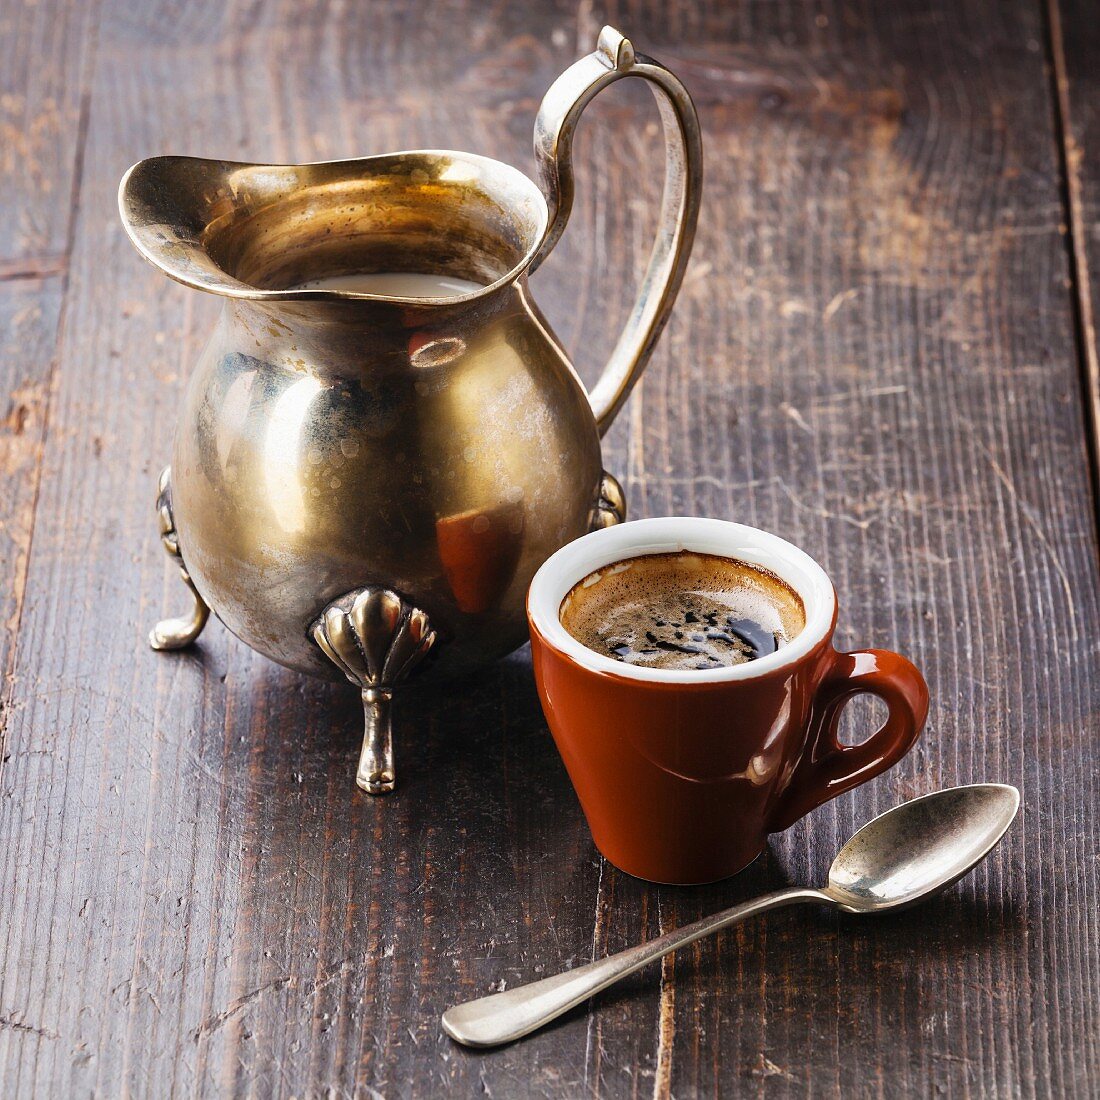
{"x": 454, "y": 725}
{"x": 479, "y": 773}
{"x": 465, "y": 750}
{"x": 825, "y": 949}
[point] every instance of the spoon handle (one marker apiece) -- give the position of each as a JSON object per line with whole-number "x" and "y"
{"x": 502, "y": 1017}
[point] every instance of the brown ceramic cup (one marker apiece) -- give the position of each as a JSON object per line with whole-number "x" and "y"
{"x": 683, "y": 774}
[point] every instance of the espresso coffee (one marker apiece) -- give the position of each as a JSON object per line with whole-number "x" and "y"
{"x": 683, "y": 611}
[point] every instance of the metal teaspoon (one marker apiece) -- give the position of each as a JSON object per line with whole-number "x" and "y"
{"x": 900, "y": 858}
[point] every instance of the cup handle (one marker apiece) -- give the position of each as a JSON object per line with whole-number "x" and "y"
{"x": 554, "y": 128}
{"x": 829, "y": 768}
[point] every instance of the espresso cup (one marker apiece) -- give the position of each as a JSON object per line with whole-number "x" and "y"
{"x": 683, "y": 774}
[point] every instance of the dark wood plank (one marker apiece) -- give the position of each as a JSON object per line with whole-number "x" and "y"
{"x": 1074, "y": 51}
{"x": 892, "y": 342}
{"x": 46, "y": 57}
{"x": 45, "y": 64}
{"x": 29, "y": 311}
{"x": 873, "y": 355}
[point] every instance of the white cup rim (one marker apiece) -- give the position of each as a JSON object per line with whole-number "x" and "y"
{"x": 670, "y": 534}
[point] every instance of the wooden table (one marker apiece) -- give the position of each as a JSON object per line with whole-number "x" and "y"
{"x": 885, "y": 350}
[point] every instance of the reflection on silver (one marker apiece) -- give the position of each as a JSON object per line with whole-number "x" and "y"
{"x": 286, "y": 434}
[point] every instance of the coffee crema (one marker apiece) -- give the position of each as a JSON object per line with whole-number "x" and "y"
{"x": 683, "y": 611}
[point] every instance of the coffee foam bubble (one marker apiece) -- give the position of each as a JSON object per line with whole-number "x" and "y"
{"x": 683, "y": 611}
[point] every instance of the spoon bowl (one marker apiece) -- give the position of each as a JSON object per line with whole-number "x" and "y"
{"x": 920, "y": 847}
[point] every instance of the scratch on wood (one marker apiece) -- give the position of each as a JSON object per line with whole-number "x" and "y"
{"x": 702, "y": 479}
{"x": 765, "y": 1067}
{"x": 326, "y": 979}
{"x": 666, "y": 1026}
{"x": 872, "y": 391}
{"x": 793, "y": 306}
{"x": 1026, "y": 511}
{"x": 212, "y": 1023}
{"x": 829, "y": 312}
{"x": 789, "y": 410}
{"x": 592, "y": 1031}
{"x": 862, "y": 524}
{"x": 18, "y": 1025}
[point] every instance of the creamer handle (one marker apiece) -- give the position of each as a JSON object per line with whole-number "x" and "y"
{"x": 554, "y": 128}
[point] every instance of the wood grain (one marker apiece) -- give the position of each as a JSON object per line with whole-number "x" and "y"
{"x": 874, "y": 355}
{"x": 44, "y": 67}
{"x": 29, "y": 313}
{"x": 1074, "y": 48}
{"x": 46, "y": 57}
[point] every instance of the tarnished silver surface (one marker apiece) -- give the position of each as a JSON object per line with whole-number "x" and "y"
{"x": 449, "y": 482}
{"x": 900, "y": 858}
{"x": 182, "y": 631}
{"x": 555, "y": 125}
{"x": 376, "y": 639}
{"x": 442, "y": 448}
